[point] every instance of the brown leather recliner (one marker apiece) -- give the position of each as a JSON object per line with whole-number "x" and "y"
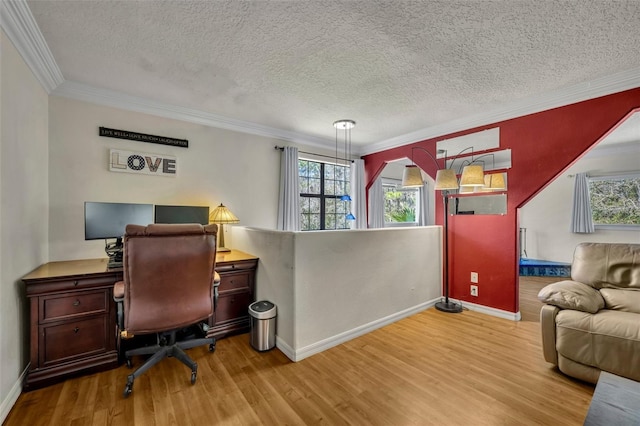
{"x": 169, "y": 283}
{"x": 591, "y": 323}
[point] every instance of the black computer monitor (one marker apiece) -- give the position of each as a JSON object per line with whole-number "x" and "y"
{"x": 105, "y": 221}
{"x": 108, "y": 220}
{"x": 182, "y": 214}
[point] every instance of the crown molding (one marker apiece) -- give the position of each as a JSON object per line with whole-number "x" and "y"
{"x": 614, "y": 83}
{"x": 21, "y": 28}
{"x": 110, "y": 98}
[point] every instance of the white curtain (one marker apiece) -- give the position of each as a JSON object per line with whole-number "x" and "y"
{"x": 376, "y": 205}
{"x": 424, "y": 217}
{"x": 581, "y": 219}
{"x": 358, "y": 195}
{"x": 289, "y": 199}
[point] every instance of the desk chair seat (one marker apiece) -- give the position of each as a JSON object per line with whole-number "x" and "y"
{"x": 169, "y": 284}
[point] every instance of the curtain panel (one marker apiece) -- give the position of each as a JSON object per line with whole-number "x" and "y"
{"x": 289, "y": 197}
{"x": 581, "y": 218}
{"x": 359, "y": 203}
{"x": 376, "y": 205}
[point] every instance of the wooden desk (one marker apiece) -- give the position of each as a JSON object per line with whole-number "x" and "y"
{"x": 73, "y": 315}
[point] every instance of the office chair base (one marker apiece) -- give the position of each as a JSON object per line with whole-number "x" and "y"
{"x": 166, "y": 349}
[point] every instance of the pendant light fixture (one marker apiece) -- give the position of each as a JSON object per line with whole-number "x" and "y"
{"x": 345, "y": 125}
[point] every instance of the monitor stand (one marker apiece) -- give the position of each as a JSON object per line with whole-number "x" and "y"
{"x": 114, "y": 252}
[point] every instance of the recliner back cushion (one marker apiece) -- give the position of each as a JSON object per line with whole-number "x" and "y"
{"x": 603, "y": 265}
{"x": 621, "y": 300}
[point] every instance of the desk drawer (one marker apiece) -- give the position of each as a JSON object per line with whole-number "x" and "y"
{"x": 54, "y": 308}
{"x": 232, "y": 306}
{"x": 69, "y": 340}
{"x": 36, "y": 288}
{"x": 234, "y": 281}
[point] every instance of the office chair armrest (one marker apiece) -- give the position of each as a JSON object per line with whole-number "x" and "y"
{"x": 118, "y": 297}
{"x": 216, "y": 284}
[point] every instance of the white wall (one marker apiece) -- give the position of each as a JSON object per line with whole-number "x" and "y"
{"x": 275, "y": 276}
{"x": 219, "y": 166}
{"x": 547, "y": 217}
{"x": 332, "y": 286}
{"x": 23, "y": 209}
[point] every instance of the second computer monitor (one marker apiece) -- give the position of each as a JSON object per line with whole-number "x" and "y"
{"x": 182, "y": 214}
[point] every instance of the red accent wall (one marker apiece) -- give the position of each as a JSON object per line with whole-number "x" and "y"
{"x": 542, "y": 146}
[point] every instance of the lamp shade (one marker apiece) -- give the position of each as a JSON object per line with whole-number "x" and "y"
{"x": 222, "y": 214}
{"x": 472, "y": 175}
{"x": 446, "y": 179}
{"x": 495, "y": 182}
{"x": 412, "y": 176}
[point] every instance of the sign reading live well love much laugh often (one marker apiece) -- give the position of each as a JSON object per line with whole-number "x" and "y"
{"x": 142, "y": 163}
{"x": 142, "y": 137}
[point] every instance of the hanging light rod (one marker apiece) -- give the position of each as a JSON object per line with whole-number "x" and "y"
{"x": 280, "y": 148}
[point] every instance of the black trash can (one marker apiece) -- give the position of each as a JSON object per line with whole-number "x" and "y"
{"x": 263, "y": 325}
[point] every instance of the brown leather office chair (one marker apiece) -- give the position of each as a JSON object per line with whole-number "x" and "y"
{"x": 168, "y": 285}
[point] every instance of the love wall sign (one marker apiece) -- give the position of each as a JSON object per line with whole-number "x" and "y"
{"x": 142, "y": 163}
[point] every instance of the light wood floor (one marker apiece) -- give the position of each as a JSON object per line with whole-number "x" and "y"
{"x": 529, "y": 303}
{"x": 432, "y": 368}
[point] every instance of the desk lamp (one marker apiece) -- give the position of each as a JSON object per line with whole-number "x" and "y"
{"x": 221, "y": 215}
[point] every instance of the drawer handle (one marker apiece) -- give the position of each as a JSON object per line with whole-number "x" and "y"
{"x": 75, "y": 282}
{"x": 76, "y": 303}
{"x": 75, "y": 330}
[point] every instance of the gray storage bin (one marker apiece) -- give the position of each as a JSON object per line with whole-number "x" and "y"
{"x": 263, "y": 325}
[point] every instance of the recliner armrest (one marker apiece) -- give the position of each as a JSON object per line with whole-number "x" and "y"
{"x": 548, "y": 327}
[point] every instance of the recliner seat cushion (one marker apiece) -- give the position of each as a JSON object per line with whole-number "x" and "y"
{"x": 608, "y": 340}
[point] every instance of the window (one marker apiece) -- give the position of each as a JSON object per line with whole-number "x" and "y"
{"x": 615, "y": 200}
{"x": 400, "y": 204}
{"x": 321, "y": 186}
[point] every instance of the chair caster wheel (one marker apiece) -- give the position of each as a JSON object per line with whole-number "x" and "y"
{"x": 129, "y": 363}
{"x": 128, "y": 389}
{"x": 193, "y": 377}
{"x": 212, "y": 347}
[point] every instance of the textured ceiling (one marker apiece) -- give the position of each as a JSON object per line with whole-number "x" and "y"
{"x": 395, "y": 67}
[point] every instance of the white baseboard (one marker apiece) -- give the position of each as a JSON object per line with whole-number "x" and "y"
{"x": 322, "y": 345}
{"x": 314, "y": 348}
{"x": 12, "y": 396}
{"x": 285, "y": 349}
{"x": 490, "y": 311}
